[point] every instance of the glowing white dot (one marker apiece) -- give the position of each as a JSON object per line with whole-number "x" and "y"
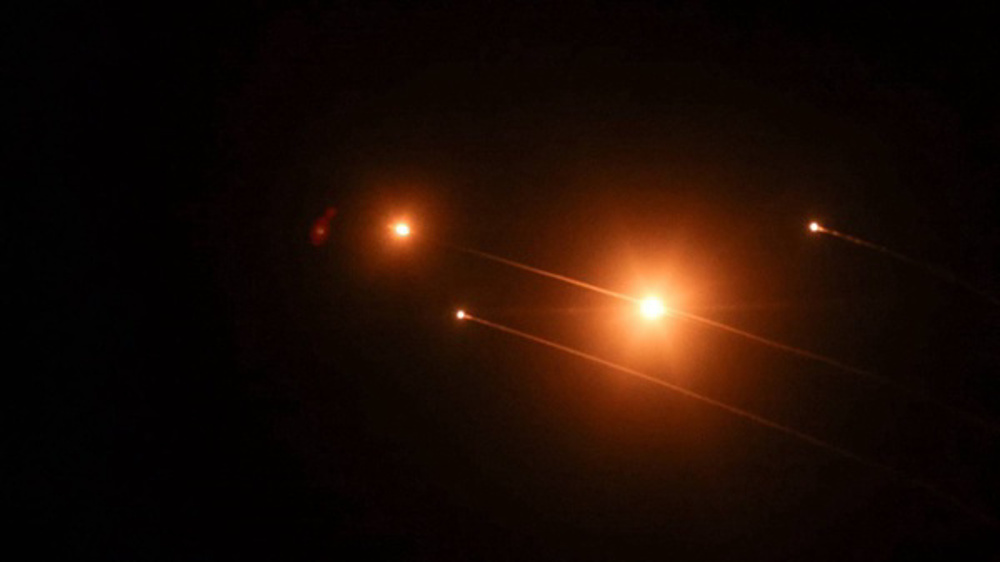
{"x": 814, "y": 227}
{"x": 460, "y": 314}
{"x": 652, "y": 307}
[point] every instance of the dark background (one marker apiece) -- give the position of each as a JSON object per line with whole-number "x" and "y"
{"x": 202, "y": 383}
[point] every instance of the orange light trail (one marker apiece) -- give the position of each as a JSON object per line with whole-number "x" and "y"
{"x": 932, "y": 269}
{"x": 745, "y": 414}
{"x": 648, "y": 309}
{"x": 645, "y": 308}
{"x": 777, "y": 345}
{"x": 544, "y": 273}
{"x": 871, "y": 376}
{"x": 816, "y": 227}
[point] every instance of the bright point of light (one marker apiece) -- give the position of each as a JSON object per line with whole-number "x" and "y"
{"x": 814, "y": 227}
{"x": 460, "y": 314}
{"x": 401, "y": 229}
{"x": 652, "y": 307}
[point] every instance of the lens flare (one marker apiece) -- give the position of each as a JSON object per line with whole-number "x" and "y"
{"x": 652, "y": 308}
{"x": 401, "y": 229}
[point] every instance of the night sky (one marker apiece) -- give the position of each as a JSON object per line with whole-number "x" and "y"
{"x": 203, "y": 383}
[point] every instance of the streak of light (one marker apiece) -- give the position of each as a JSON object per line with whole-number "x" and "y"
{"x": 745, "y": 414}
{"x": 776, "y": 345}
{"x": 544, "y": 273}
{"x": 930, "y": 268}
{"x": 644, "y": 305}
{"x": 871, "y": 376}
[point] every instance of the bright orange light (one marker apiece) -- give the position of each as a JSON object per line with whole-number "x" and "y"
{"x": 460, "y": 314}
{"x": 652, "y": 307}
{"x": 815, "y": 227}
{"x": 401, "y": 229}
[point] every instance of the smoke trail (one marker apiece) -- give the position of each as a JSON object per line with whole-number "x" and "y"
{"x": 755, "y": 418}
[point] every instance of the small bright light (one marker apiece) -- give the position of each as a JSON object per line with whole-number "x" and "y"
{"x": 460, "y": 314}
{"x": 652, "y": 307}
{"x": 401, "y": 229}
{"x": 814, "y": 227}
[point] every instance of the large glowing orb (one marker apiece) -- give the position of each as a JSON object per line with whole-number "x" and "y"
{"x": 401, "y": 229}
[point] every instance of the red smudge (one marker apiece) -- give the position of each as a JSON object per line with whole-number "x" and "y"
{"x": 321, "y": 228}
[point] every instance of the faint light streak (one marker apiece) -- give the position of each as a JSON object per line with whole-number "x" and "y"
{"x": 747, "y": 415}
{"x": 542, "y": 272}
{"x": 871, "y": 376}
{"x": 927, "y": 267}
{"x": 652, "y": 308}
